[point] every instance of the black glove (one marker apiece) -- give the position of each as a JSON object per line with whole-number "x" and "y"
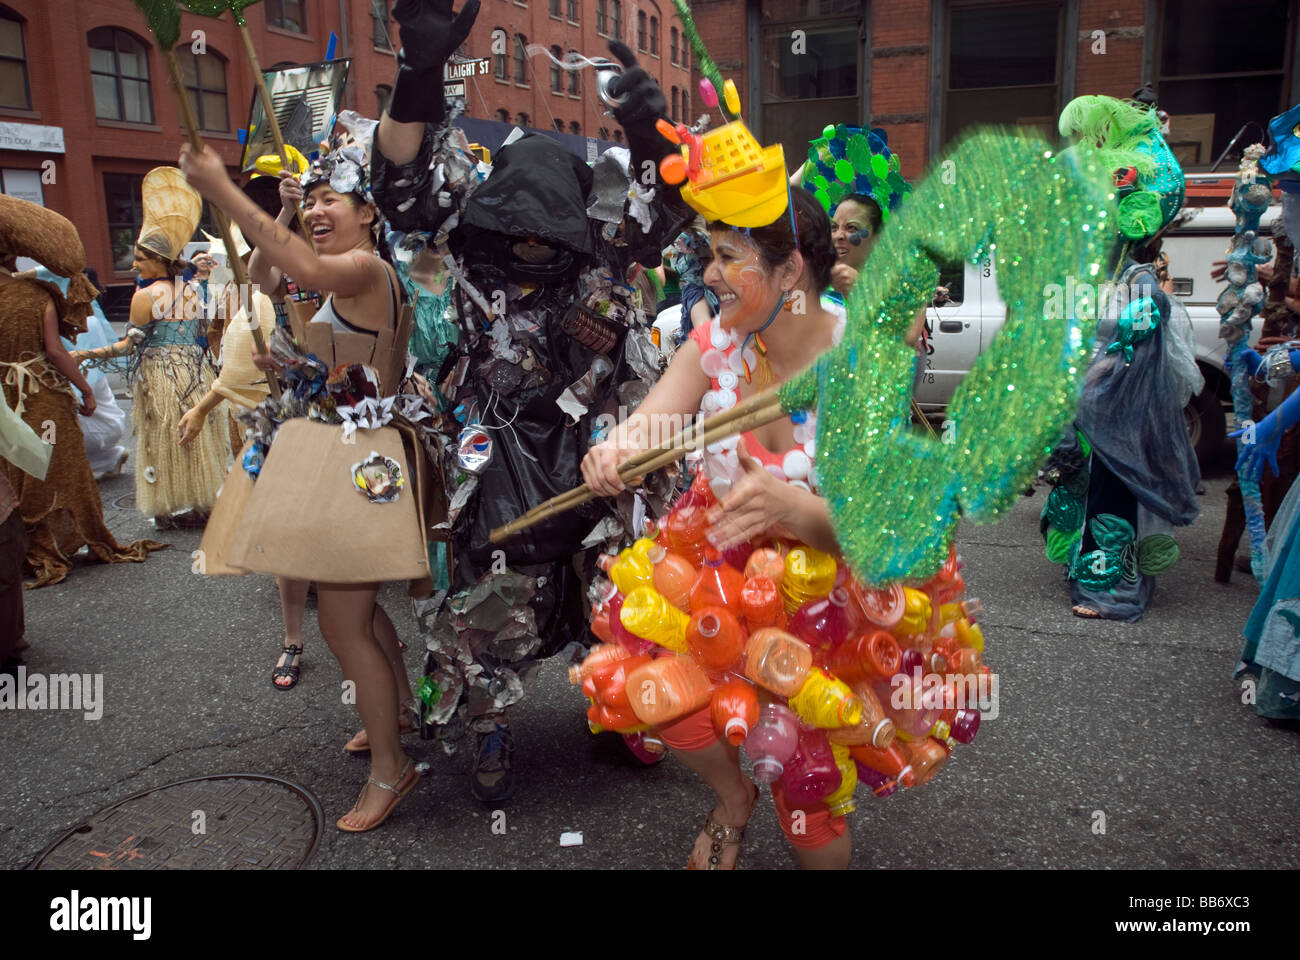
{"x": 430, "y": 34}
{"x": 643, "y": 104}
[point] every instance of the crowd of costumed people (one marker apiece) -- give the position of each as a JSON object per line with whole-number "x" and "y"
{"x": 778, "y": 577}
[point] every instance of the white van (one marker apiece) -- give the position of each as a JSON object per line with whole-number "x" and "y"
{"x": 960, "y": 329}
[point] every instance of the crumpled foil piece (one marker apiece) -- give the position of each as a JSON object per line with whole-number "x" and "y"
{"x": 609, "y": 190}
{"x": 609, "y": 528}
{"x": 642, "y": 355}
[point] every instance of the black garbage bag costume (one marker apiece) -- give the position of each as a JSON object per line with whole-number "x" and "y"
{"x": 553, "y": 342}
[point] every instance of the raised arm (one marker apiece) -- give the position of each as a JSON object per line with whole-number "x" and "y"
{"x": 344, "y": 274}
{"x": 62, "y": 360}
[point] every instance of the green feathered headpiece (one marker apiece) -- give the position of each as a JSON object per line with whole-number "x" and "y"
{"x": 1126, "y": 136}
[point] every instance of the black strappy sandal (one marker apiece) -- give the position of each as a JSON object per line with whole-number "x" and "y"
{"x": 289, "y": 669}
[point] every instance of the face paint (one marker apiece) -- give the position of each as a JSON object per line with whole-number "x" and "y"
{"x": 738, "y": 277}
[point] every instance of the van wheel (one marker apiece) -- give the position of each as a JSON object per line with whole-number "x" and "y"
{"x": 1206, "y": 425}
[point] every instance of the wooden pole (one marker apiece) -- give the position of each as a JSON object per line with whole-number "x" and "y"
{"x": 268, "y": 108}
{"x": 223, "y": 223}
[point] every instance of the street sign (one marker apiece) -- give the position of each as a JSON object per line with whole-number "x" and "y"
{"x": 466, "y": 68}
{"x": 455, "y": 88}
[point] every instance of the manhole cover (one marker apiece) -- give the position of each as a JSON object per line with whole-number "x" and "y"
{"x": 125, "y": 502}
{"x": 226, "y": 822}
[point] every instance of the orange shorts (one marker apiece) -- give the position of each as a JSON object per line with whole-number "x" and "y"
{"x": 809, "y": 828}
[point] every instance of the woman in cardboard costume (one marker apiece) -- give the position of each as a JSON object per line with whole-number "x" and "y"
{"x": 552, "y": 339}
{"x": 63, "y": 512}
{"x": 334, "y": 496}
{"x": 169, "y": 371}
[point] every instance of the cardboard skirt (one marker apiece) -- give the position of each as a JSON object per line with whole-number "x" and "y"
{"x": 304, "y": 517}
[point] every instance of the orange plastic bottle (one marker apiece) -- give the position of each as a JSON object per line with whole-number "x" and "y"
{"x": 926, "y": 756}
{"x": 761, "y": 604}
{"x": 825, "y": 702}
{"x": 766, "y": 562}
{"x": 892, "y": 762}
{"x": 668, "y": 688}
{"x": 715, "y": 638}
{"x": 606, "y": 686}
{"x": 687, "y": 526}
{"x": 875, "y": 727}
{"x": 673, "y": 577}
{"x": 597, "y": 658}
{"x": 734, "y": 710}
{"x": 646, "y": 614}
{"x": 777, "y": 661}
{"x": 599, "y": 624}
{"x": 868, "y": 657}
{"x": 718, "y": 585}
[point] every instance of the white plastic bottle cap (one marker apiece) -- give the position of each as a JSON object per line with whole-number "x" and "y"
{"x": 796, "y": 465}
{"x": 719, "y": 337}
{"x": 713, "y": 364}
{"x": 726, "y": 399}
{"x": 728, "y": 380}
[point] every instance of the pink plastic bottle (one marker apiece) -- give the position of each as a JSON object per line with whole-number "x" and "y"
{"x": 823, "y": 624}
{"x": 718, "y": 585}
{"x": 812, "y": 774}
{"x": 622, "y": 635}
{"x": 771, "y": 743}
{"x": 909, "y": 705}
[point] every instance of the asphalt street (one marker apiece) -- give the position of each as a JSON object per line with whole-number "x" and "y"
{"x": 1139, "y": 723}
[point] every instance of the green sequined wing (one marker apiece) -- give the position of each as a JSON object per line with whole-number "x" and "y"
{"x": 215, "y": 8}
{"x": 895, "y": 495}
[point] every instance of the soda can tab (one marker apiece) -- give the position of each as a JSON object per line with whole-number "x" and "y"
{"x": 474, "y": 450}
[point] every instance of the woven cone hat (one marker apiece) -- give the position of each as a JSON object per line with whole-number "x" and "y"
{"x": 172, "y": 210}
{"x": 30, "y": 230}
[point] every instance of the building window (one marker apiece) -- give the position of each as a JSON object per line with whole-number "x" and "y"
{"x": 571, "y": 10}
{"x": 379, "y": 12}
{"x": 618, "y": 134}
{"x": 557, "y": 81}
{"x": 14, "y": 91}
{"x": 654, "y": 36}
{"x": 125, "y": 216}
{"x": 640, "y": 29}
{"x": 674, "y": 115}
{"x": 602, "y": 7}
{"x": 672, "y": 44}
{"x": 574, "y": 128}
{"x": 686, "y": 105}
{"x": 383, "y": 97}
{"x": 575, "y": 79}
{"x": 521, "y": 59}
{"x": 521, "y": 119}
{"x": 287, "y": 15}
{"x": 616, "y": 19}
{"x": 503, "y": 116}
{"x": 559, "y": 125}
{"x": 686, "y": 53}
{"x": 1003, "y": 66}
{"x": 555, "y": 9}
{"x": 1211, "y": 77}
{"x": 119, "y": 72}
{"x": 499, "y": 67}
{"x": 604, "y": 133}
{"x": 205, "y": 79}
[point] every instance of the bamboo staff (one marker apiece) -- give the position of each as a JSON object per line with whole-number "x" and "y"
{"x": 223, "y": 223}
{"x": 757, "y": 410}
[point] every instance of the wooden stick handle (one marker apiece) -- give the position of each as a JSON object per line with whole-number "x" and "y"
{"x": 223, "y": 223}
{"x": 635, "y": 466}
{"x": 268, "y": 108}
{"x": 580, "y": 495}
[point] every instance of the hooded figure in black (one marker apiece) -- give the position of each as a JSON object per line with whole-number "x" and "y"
{"x": 553, "y": 341}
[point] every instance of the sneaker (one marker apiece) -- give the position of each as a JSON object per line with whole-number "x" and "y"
{"x": 493, "y": 780}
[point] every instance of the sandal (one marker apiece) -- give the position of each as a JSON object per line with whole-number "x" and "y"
{"x": 288, "y": 669}
{"x": 720, "y": 835}
{"x": 397, "y": 797}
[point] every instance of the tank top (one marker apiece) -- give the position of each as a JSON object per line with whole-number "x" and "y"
{"x": 328, "y": 314}
{"x": 723, "y": 364}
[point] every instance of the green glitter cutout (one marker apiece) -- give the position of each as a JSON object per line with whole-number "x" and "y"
{"x": 215, "y": 8}
{"x": 894, "y": 494}
{"x": 164, "y": 21}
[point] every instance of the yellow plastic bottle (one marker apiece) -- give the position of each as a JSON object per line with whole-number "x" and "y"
{"x": 648, "y": 615}
{"x": 809, "y": 574}
{"x": 633, "y": 568}
{"x": 841, "y": 801}
{"x": 916, "y": 613}
{"x": 825, "y": 702}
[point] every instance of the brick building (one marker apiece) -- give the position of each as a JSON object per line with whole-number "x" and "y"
{"x": 924, "y": 69}
{"x": 85, "y": 109}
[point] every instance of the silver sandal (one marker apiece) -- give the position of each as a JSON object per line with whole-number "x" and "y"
{"x": 721, "y": 835}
